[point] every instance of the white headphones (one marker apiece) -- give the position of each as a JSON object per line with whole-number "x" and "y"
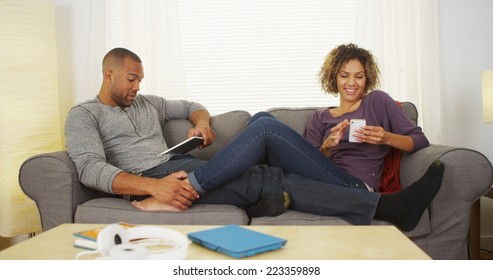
{"x": 118, "y": 243}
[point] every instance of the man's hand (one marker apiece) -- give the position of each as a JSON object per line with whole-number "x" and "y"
{"x": 175, "y": 190}
{"x": 201, "y": 119}
{"x": 206, "y": 132}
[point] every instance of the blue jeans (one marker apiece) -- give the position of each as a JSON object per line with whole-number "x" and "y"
{"x": 267, "y": 137}
{"x": 314, "y": 183}
{"x": 356, "y": 206}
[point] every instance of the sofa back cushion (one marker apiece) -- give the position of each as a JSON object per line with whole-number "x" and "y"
{"x": 410, "y": 111}
{"x": 229, "y": 124}
{"x": 226, "y": 126}
{"x": 296, "y": 118}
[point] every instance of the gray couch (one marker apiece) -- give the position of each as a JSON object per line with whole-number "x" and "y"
{"x": 51, "y": 181}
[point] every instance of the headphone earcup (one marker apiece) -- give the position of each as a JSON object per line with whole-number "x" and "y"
{"x": 111, "y": 236}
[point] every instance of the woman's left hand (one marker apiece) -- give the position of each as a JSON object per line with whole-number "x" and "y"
{"x": 371, "y": 134}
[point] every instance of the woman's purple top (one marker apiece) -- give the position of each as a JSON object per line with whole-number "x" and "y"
{"x": 363, "y": 160}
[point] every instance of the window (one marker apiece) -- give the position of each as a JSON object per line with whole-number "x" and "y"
{"x": 253, "y": 55}
{"x": 233, "y": 54}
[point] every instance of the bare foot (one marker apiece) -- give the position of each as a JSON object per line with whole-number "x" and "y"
{"x": 152, "y": 204}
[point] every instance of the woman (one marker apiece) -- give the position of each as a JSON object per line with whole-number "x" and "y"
{"x": 352, "y": 74}
{"x": 265, "y": 136}
{"x": 349, "y": 72}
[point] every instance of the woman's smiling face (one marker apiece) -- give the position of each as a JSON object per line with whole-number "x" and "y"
{"x": 351, "y": 80}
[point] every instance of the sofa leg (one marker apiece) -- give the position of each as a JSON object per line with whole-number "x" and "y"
{"x": 474, "y": 232}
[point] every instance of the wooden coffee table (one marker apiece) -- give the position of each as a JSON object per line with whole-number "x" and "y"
{"x": 304, "y": 243}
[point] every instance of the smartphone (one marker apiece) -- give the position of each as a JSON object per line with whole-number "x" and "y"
{"x": 355, "y": 124}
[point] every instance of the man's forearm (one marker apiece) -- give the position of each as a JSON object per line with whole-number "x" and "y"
{"x": 126, "y": 183}
{"x": 201, "y": 118}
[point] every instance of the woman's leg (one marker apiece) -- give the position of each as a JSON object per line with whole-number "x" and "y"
{"x": 260, "y": 115}
{"x": 269, "y": 137}
{"x": 356, "y": 206}
{"x": 404, "y": 208}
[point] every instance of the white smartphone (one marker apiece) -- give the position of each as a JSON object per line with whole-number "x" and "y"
{"x": 185, "y": 146}
{"x": 355, "y": 124}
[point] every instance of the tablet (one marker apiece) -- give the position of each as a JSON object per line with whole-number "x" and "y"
{"x": 236, "y": 241}
{"x": 185, "y": 146}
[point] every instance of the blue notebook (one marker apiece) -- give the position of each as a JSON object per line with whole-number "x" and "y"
{"x": 235, "y": 241}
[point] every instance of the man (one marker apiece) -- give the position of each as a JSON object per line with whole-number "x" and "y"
{"x": 115, "y": 138}
{"x": 97, "y": 148}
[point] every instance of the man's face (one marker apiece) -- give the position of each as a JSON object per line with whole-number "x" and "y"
{"x": 125, "y": 83}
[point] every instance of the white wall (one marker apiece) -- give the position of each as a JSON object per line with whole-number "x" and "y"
{"x": 466, "y": 49}
{"x": 79, "y": 70}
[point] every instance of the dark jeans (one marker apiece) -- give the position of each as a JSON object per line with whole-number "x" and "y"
{"x": 356, "y": 206}
{"x": 267, "y": 137}
{"x": 314, "y": 183}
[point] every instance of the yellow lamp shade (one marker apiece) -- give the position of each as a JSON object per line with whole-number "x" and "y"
{"x": 29, "y": 109}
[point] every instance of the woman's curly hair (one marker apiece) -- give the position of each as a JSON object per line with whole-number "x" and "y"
{"x": 339, "y": 56}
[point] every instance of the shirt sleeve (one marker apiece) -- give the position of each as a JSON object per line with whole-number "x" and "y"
{"x": 173, "y": 109}
{"x": 400, "y": 123}
{"x": 85, "y": 148}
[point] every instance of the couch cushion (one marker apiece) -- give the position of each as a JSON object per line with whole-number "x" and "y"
{"x": 411, "y": 111}
{"x": 292, "y": 217}
{"x": 226, "y": 126}
{"x": 111, "y": 210}
{"x": 295, "y": 118}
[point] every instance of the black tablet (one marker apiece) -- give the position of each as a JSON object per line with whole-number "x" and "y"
{"x": 185, "y": 146}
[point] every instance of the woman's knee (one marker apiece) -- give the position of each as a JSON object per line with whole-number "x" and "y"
{"x": 260, "y": 115}
{"x": 263, "y": 114}
{"x": 269, "y": 124}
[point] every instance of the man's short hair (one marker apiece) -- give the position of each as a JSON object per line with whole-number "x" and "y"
{"x": 117, "y": 55}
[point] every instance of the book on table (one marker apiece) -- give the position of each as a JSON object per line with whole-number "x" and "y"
{"x": 87, "y": 239}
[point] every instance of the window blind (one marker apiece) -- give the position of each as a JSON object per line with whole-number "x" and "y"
{"x": 257, "y": 54}
{"x": 254, "y": 55}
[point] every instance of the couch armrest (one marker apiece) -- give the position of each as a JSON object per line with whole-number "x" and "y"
{"x": 468, "y": 176}
{"x": 51, "y": 180}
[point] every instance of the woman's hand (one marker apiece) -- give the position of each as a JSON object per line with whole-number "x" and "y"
{"x": 371, "y": 134}
{"x": 379, "y": 136}
{"x": 335, "y": 136}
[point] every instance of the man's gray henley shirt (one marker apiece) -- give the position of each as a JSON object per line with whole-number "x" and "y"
{"x": 103, "y": 141}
